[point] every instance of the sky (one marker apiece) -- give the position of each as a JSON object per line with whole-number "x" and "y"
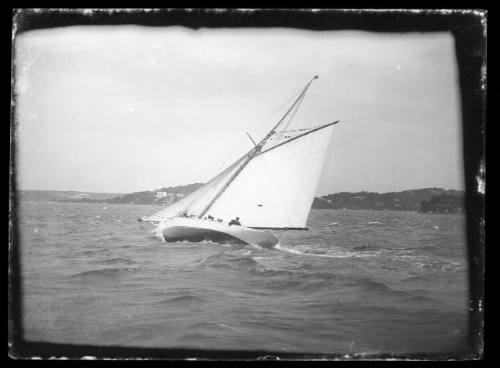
{"x": 120, "y": 109}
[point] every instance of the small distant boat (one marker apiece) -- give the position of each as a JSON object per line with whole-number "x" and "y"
{"x": 271, "y": 187}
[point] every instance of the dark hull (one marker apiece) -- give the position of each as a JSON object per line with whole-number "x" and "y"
{"x": 197, "y": 230}
{"x": 191, "y": 234}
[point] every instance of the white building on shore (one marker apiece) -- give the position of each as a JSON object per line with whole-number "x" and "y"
{"x": 160, "y": 195}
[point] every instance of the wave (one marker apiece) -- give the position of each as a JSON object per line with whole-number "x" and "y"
{"x": 256, "y": 246}
{"x": 373, "y": 285}
{"x": 311, "y": 251}
{"x": 404, "y": 255}
{"x": 453, "y": 266}
{"x": 104, "y": 272}
{"x": 94, "y": 251}
{"x": 428, "y": 247}
{"x": 261, "y": 270}
{"x": 422, "y": 299}
{"x": 409, "y": 297}
{"x": 425, "y": 262}
{"x": 287, "y": 249}
{"x": 240, "y": 252}
{"x": 182, "y": 300}
{"x": 419, "y": 278}
{"x": 118, "y": 260}
{"x": 366, "y": 248}
{"x": 304, "y": 252}
{"x": 233, "y": 263}
{"x": 293, "y": 275}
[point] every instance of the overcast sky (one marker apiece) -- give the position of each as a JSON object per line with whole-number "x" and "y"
{"x": 122, "y": 109}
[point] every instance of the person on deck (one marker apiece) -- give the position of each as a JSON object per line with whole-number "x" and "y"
{"x": 235, "y": 222}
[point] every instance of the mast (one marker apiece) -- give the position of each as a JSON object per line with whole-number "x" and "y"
{"x": 256, "y": 150}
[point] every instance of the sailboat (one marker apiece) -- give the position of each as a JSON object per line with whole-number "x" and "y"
{"x": 269, "y": 188}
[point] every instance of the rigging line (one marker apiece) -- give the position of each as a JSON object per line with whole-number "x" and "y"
{"x": 264, "y": 122}
{"x": 221, "y": 191}
{"x": 261, "y": 143}
{"x": 209, "y": 185}
{"x": 255, "y": 151}
{"x": 275, "y": 112}
{"x": 294, "y": 107}
{"x": 187, "y": 206}
{"x": 292, "y": 115}
{"x": 220, "y": 163}
{"x": 297, "y": 137}
{"x": 255, "y": 144}
{"x": 215, "y": 180}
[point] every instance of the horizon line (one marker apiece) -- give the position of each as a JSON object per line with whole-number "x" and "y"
{"x": 341, "y": 191}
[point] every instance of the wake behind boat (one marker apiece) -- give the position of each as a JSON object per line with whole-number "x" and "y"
{"x": 271, "y": 187}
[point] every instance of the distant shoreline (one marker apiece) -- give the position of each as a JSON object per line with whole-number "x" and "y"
{"x": 428, "y": 200}
{"x": 312, "y": 208}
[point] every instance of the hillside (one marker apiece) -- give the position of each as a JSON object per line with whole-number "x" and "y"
{"x": 434, "y": 200}
{"x": 408, "y": 200}
{"x": 62, "y": 196}
{"x": 172, "y": 194}
{"x": 443, "y": 203}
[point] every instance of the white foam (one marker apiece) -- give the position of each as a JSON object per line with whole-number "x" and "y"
{"x": 298, "y": 252}
{"x": 156, "y": 232}
{"x": 256, "y": 246}
{"x": 285, "y": 249}
{"x": 242, "y": 252}
{"x": 336, "y": 253}
{"x": 213, "y": 243}
{"x": 228, "y": 327}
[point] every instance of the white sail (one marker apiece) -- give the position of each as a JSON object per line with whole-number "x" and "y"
{"x": 199, "y": 197}
{"x": 276, "y": 188}
{"x": 199, "y": 204}
{"x": 272, "y": 186}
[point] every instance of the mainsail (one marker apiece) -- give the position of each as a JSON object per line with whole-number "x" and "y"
{"x": 276, "y": 189}
{"x": 271, "y": 186}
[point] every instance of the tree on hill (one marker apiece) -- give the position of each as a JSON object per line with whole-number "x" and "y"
{"x": 443, "y": 203}
{"x": 408, "y": 200}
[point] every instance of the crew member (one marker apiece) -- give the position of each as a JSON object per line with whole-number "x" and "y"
{"x": 235, "y": 222}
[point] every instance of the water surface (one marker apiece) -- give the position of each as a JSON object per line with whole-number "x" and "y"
{"x": 358, "y": 281}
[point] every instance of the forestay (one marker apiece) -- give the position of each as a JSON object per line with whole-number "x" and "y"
{"x": 199, "y": 197}
{"x": 271, "y": 186}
